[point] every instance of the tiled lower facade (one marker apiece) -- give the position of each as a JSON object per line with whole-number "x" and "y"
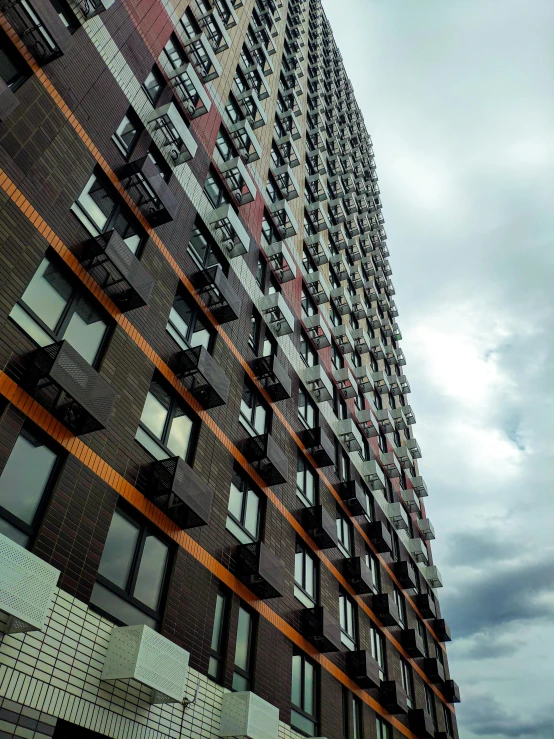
{"x": 55, "y": 675}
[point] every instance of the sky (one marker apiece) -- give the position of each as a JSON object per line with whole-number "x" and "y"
{"x": 458, "y": 96}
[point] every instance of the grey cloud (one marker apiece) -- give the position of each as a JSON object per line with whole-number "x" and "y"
{"x": 478, "y": 547}
{"x": 488, "y": 646}
{"x": 502, "y": 594}
{"x": 486, "y": 717}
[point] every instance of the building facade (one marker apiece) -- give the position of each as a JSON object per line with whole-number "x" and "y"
{"x": 211, "y": 515}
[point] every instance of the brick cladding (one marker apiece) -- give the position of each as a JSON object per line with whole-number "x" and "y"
{"x": 44, "y": 156}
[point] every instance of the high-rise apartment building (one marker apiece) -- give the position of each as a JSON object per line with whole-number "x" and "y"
{"x": 211, "y": 514}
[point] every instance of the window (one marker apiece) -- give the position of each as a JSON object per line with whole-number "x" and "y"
{"x": 244, "y": 510}
{"x": 304, "y": 694}
{"x": 127, "y": 133}
{"x": 348, "y": 621}
{"x": 309, "y": 308}
{"x": 337, "y": 359}
{"x": 401, "y": 605}
{"x": 407, "y": 681}
{"x": 13, "y": 70}
{"x": 133, "y": 571}
{"x": 378, "y": 400}
{"x": 26, "y": 480}
{"x": 305, "y": 576}
{"x": 215, "y": 190}
{"x": 422, "y": 631}
{"x": 307, "y": 351}
{"x": 377, "y": 642}
{"x": 225, "y": 145}
{"x": 395, "y": 544}
{"x": 173, "y": 56}
{"x": 430, "y": 704}
{"x": 384, "y": 730}
{"x": 188, "y": 326}
{"x": 217, "y": 646}
{"x": 101, "y": 211}
{"x": 306, "y": 482}
{"x": 254, "y": 413}
{"x": 261, "y": 271}
{"x": 153, "y": 85}
{"x": 204, "y": 251}
{"x": 307, "y": 409}
{"x": 373, "y": 563}
{"x": 447, "y": 721}
{"x": 382, "y": 441}
{"x": 344, "y": 533}
{"x": 53, "y": 308}
{"x": 352, "y": 716}
{"x": 166, "y": 428}
{"x": 341, "y": 409}
{"x": 369, "y": 504}
{"x": 342, "y": 463}
{"x": 242, "y": 674}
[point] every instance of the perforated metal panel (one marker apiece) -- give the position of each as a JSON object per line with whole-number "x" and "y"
{"x": 249, "y": 716}
{"x": 140, "y": 653}
{"x": 27, "y": 587}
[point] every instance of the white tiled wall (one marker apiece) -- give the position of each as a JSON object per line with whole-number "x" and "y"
{"x": 58, "y": 672}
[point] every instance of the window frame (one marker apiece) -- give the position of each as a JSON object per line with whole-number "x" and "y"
{"x": 310, "y": 407}
{"x": 378, "y": 650}
{"x": 197, "y": 317}
{"x": 348, "y": 621}
{"x": 307, "y": 350}
{"x": 248, "y": 489}
{"x": 301, "y": 710}
{"x": 306, "y": 471}
{"x": 218, "y": 655}
{"x": 342, "y": 527}
{"x": 248, "y": 673}
{"x": 309, "y": 600}
{"x": 258, "y": 401}
{"x": 407, "y": 679}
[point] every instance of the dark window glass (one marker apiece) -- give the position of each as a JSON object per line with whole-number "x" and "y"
{"x": 242, "y": 674}
{"x": 305, "y": 576}
{"x": 407, "y": 681}
{"x": 173, "y": 56}
{"x": 309, "y": 308}
{"x": 128, "y": 133}
{"x": 13, "y": 70}
{"x": 307, "y": 409}
{"x": 244, "y": 510}
{"x": 133, "y": 572}
{"x": 430, "y": 704}
{"x": 153, "y": 85}
{"x": 188, "y": 325}
{"x": 53, "y": 308}
{"x": 215, "y": 190}
{"x": 254, "y": 413}
{"x": 166, "y": 428}
{"x": 384, "y": 730}
{"x": 306, "y": 482}
{"x": 352, "y": 717}
{"x": 348, "y": 621}
{"x": 217, "y": 645}
{"x": 307, "y": 350}
{"x": 377, "y": 643}
{"x": 342, "y": 463}
{"x": 373, "y": 563}
{"x": 204, "y": 250}
{"x": 26, "y": 479}
{"x": 303, "y": 715}
{"x": 344, "y": 533}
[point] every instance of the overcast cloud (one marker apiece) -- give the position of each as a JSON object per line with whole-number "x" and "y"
{"x": 458, "y": 97}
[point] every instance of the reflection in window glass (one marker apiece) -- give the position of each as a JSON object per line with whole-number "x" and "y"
{"x": 242, "y": 673}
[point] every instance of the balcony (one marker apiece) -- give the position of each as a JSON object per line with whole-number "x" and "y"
{"x": 319, "y": 446}
{"x": 346, "y": 382}
{"x": 190, "y": 90}
{"x": 359, "y": 313}
{"x": 245, "y": 140}
{"x": 216, "y": 33}
{"x": 288, "y": 150}
{"x": 411, "y": 501}
{"x": 380, "y": 537}
{"x": 69, "y": 388}
{"x": 202, "y": 376}
{"x": 238, "y": 180}
{"x": 27, "y": 588}
{"x": 364, "y": 379}
{"x": 373, "y": 475}
{"x": 318, "y": 216}
{"x": 149, "y": 190}
{"x": 340, "y": 267}
{"x": 114, "y": 267}
{"x": 426, "y": 529}
{"x": 318, "y": 249}
{"x": 44, "y": 35}
{"x": 139, "y": 653}
{"x": 451, "y": 691}
{"x": 286, "y": 181}
{"x": 387, "y": 424}
{"x": 404, "y": 457}
{"x": 203, "y": 57}
{"x": 318, "y": 287}
{"x": 319, "y": 384}
{"x": 376, "y": 346}
{"x": 421, "y": 723}
{"x": 408, "y": 414}
{"x": 321, "y": 527}
{"x": 418, "y": 550}
{"x": 321, "y": 629}
{"x": 441, "y": 629}
{"x": 273, "y": 377}
{"x": 91, "y": 8}
{"x": 363, "y": 669}
{"x": 171, "y": 134}
{"x": 426, "y": 605}
{"x": 357, "y": 574}
{"x": 175, "y": 488}
{"x": 230, "y": 234}
{"x": 399, "y": 419}
{"x": 434, "y": 670}
{"x": 281, "y": 261}
{"x": 381, "y": 382}
{"x": 390, "y": 353}
{"x": 413, "y": 446}
{"x": 277, "y": 314}
{"x": 393, "y": 698}
{"x": 218, "y": 295}
{"x": 261, "y": 570}
{"x": 412, "y": 642}
{"x": 266, "y": 458}
{"x": 419, "y": 485}
{"x": 247, "y": 716}
{"x": 317, "y": 330}
{"x": 404, "y": 384}
{"x": 368, "y": 422}
{"x": 398, "y": 516}
{"x": 405, "y": 574}
{"x": 433, "y": 576}
{"x": 252, "y": 108}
